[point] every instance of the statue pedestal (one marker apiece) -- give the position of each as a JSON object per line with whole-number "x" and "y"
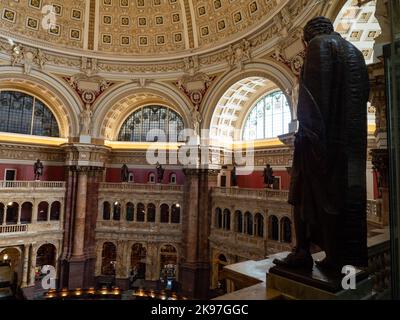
{"x": 317, "y": 285}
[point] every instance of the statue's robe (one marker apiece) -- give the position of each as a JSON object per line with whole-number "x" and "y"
{"x": 328, "y": 186}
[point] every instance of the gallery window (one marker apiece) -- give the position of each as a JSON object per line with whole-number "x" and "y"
{"x": 25, "y": 114}
{"x": 269, "y": 118}
{"x": 151, "y": 124}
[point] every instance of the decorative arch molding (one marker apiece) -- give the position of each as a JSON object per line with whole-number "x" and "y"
{"x": 269, "y": 69}
{"x": 64, "y": 104}
{"x": 114, "y": 108}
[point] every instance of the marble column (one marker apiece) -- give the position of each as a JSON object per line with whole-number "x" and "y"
{"x": 80, "y": 213}
{"x": 25, "y": 270}
{"x": 77, "y": 261}
{"x": 195, "y": 269}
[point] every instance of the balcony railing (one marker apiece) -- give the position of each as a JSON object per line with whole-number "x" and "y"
{"x": 374, "y": 211}
{"x": 106, "y": 186}
{"x": 259, "y": 194}
{"x": 14, "y": 229}
{"x": 31, "y": 227}
{"x": 32, "y": 185}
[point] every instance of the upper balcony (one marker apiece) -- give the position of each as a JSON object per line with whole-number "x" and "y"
{"x": 140, "y": 188}
{"x": 31, "y": 186}
{"x": 256, "y": 194}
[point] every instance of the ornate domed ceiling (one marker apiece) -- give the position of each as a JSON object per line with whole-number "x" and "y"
{"x": 134, "y": 27}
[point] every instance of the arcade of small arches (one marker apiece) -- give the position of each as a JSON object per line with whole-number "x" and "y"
{"x": 141, "y": 212}
{"x": 14, "y": 213}
{"x": 254, "y": 225}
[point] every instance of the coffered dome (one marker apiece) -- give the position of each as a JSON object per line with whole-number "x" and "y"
{"x": 133, "y": 27}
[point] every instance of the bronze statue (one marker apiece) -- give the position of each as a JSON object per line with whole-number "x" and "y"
{"x": 160, "y": 173}
{"x": 234, "y": 177}
{"x": 269, "y": 178}
{"x": 125, "y": 173}
{"x": 38, "y": 169}
{"x": 328, "y": 182}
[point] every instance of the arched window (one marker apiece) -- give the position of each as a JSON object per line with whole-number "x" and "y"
{"x": 46, "y": 255}
{"x": 273, "y": 228}
{"x": 140, "y": 212}
{"x": 259, "y": 225}
{"x": 55, "y": 211}
{"x": 176, "y": 214}
{"x": 164, "y": 213}
{"x": 106, "y": 211}
{"x": 26, "y": 213}
{"x": 286, "y": 227}
{"x": 151, "y": 212}
{"x": 117, "y": 211}
{"x": 24, "y": 114}
{"x": 172, "y": 178}
{"x": 168, "y": 262}
{"x": 227, "y": 220}
{"x": 12, "y": 213}
{"x": 152, "y": 178}
{"x": 109, "y": 259}
{"x": 248, "y": 221}
{"x": 269, "y": 118}
{"x": 239, "y": 221}
{"x": 130, "y": 211}
{"x": 139, "y": 124}
{"x": 218, "y": 218}
{"x": 43, "y": 210}
{"x": 138, "y": 261}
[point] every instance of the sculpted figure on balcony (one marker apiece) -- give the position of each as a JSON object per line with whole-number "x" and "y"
{"x": 328, "y": 181}
{"x": 38, "y": 169}
{"x": 125, "y": 173}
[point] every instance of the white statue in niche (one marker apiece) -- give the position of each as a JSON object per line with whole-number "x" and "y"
{"x": 28, "y": 61}
{"x": 196, "y": 119}
{"x": 86, "y": 120}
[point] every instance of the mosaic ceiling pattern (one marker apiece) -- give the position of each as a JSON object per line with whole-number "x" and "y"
{"x": 133, "y": 27}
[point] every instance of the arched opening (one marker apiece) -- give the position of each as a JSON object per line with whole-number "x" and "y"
{"x": 151, "y": 212}
{"x": 138, "y": 262}
{"x": 286, "y": 230}
{"x": 248, "y": 223}
{"x": 243, "y": 111}
{"x": 218, "y": 218}
{"x": 239, "y": 221}
{"x": 172, "y": 178}
{"x": 140, "y": 212}
{"x": 130, "y": 211}
{"x": 273, "y": 228}
{"x": 108, "y": 259}
{"x": 46, "y": 256}
{"x": 151, "y": 124}
{"x": 55, "y": 211}
{"x": 151, "y": 178}
{"x": 12, "y": 213}
{"x": 13, "y": 256}
{"x": 269, "y": 117}
{"x": 168, "y": 263}
{"x": 176, "y": 213}
{"x": 164, "y": 213}
{"x": 227, "y": 220}
{"x": 43, "y": 211}
{"x": 259, "y": 225}
{"x": 117, "y": 211}
{"x": 106, "y": 211}
{"x": 1, "y": 213}
{"x": 26, "y": 114}
{"x": 26, "y": 213}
